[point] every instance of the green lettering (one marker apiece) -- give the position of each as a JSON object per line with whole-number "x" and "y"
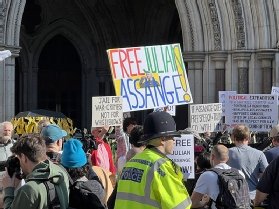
{"x": 155, "y": 60}
{"x": 149, "y": 65}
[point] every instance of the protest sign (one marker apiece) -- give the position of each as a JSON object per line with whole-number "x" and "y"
{"x": 107, "y": 111}
{"x": 258, "y": 111}
{"x": 168, "y": 109}
{"x": 149, "y": 77}
{"x": 183, "y": 154}
{"x": 222, "y": 97}
{"x": 275, "y": 90}
{"x": 206, "y": 117}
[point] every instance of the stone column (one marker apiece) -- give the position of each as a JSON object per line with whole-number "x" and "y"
{"x": 24, "y": 91}
{"x": 89, "y": 89}
{"x": 266, "y": 60}
{"x": 33, "y": 88}
{"x": 243, "y": 72}
{"x": 220, "y": 78}
{"x": 7, "y": 86}
{"x": 275, "y": 76}
{"x": 196, "y": 75}
{"x": 2, "y": 90}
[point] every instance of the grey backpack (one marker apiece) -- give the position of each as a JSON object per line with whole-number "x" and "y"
{"x": 234, "y": 191}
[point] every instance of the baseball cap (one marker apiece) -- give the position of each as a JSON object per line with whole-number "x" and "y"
{"x": 52, "y": 133}
{"x": 274, "y": 131}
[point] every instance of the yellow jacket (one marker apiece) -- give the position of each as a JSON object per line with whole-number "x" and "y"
{"x": 151, "y": 180}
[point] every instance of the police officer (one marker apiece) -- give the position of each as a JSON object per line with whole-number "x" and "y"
{"x": 151, "y": 179}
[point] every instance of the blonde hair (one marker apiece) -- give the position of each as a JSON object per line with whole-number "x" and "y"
{"x": 240, "y": 133}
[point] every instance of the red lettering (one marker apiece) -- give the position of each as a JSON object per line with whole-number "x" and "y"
{"x": 237, "y": 97}
{"x": 130, "y": 61}
{"x": 138, "y": 61}
{"x": 122, "y": 60}
{"x": 127, "y": 60}
{"x": 113, "y": 62}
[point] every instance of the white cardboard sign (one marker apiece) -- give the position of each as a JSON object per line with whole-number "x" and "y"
{"x": 107, "y": 111}
{"x": 183, "y": 155}
{"x": 206, "y": 117}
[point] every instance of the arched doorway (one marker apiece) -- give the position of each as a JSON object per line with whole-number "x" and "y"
{"x": 59, "y": 79}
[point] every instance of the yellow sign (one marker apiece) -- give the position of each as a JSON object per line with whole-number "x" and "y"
{"x": 24, "y": 125}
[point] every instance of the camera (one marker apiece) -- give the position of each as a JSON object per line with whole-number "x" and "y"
{"x": 87, "y": 140}
{"x": 13, "y": 166}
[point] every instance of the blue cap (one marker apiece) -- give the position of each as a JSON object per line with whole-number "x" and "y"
{"x": 73, "y": 156}
{"x": 52, "y": 133}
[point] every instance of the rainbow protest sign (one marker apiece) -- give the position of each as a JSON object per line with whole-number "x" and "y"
{"x": 149, "y": 77}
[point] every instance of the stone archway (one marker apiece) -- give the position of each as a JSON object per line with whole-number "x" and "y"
{"x": 59, "y": 79}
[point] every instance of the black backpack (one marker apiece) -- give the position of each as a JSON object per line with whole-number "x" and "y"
{"x": 83, "y": 195}
{"x": 87, "y": 194}
{"x": 234, "y": 191}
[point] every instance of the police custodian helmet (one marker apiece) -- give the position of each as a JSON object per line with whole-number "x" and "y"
{"x": 159, "y": 124}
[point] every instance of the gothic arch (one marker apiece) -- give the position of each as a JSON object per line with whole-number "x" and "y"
{"x": 13, "y": 17}
{"x": 71, "y": 33}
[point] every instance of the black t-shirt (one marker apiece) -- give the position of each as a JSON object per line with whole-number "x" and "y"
{"x": 269, "y": 183}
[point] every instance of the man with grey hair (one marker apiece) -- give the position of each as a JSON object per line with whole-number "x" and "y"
{"x": 7, "y": 129}
{"x": 6, "y": 142}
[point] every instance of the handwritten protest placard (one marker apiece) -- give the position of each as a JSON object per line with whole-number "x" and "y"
{"x": 258, "y": 111}
{"x": 149, "y": 77}
{"x": 206, "y": 117}
{"x": 107, "y": 111}
{"x": 183, "y": 154}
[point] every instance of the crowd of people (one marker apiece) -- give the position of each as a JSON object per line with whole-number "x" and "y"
{"x": 56, "y": 171}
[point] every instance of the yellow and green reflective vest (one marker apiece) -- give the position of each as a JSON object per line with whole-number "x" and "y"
{"x": 151, "y": 180}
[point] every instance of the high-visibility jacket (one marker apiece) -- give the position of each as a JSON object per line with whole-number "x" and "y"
{"x": 151, "y": 180}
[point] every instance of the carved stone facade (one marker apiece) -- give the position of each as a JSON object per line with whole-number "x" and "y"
{"x": 244, "y": 32}
{"x": 3, "y": 14}
{"x": 233, "y": 39}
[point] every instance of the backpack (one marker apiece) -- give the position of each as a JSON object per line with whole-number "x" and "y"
{"x": 83, "y": 195}
{"x": 87, "y": 194}
{"x": 52, "y": 197}
{"x": 234, "y": 191}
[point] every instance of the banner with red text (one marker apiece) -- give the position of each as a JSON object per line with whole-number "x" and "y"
{"x": 258, "y": 111}
{"x": 150, "y": 76}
